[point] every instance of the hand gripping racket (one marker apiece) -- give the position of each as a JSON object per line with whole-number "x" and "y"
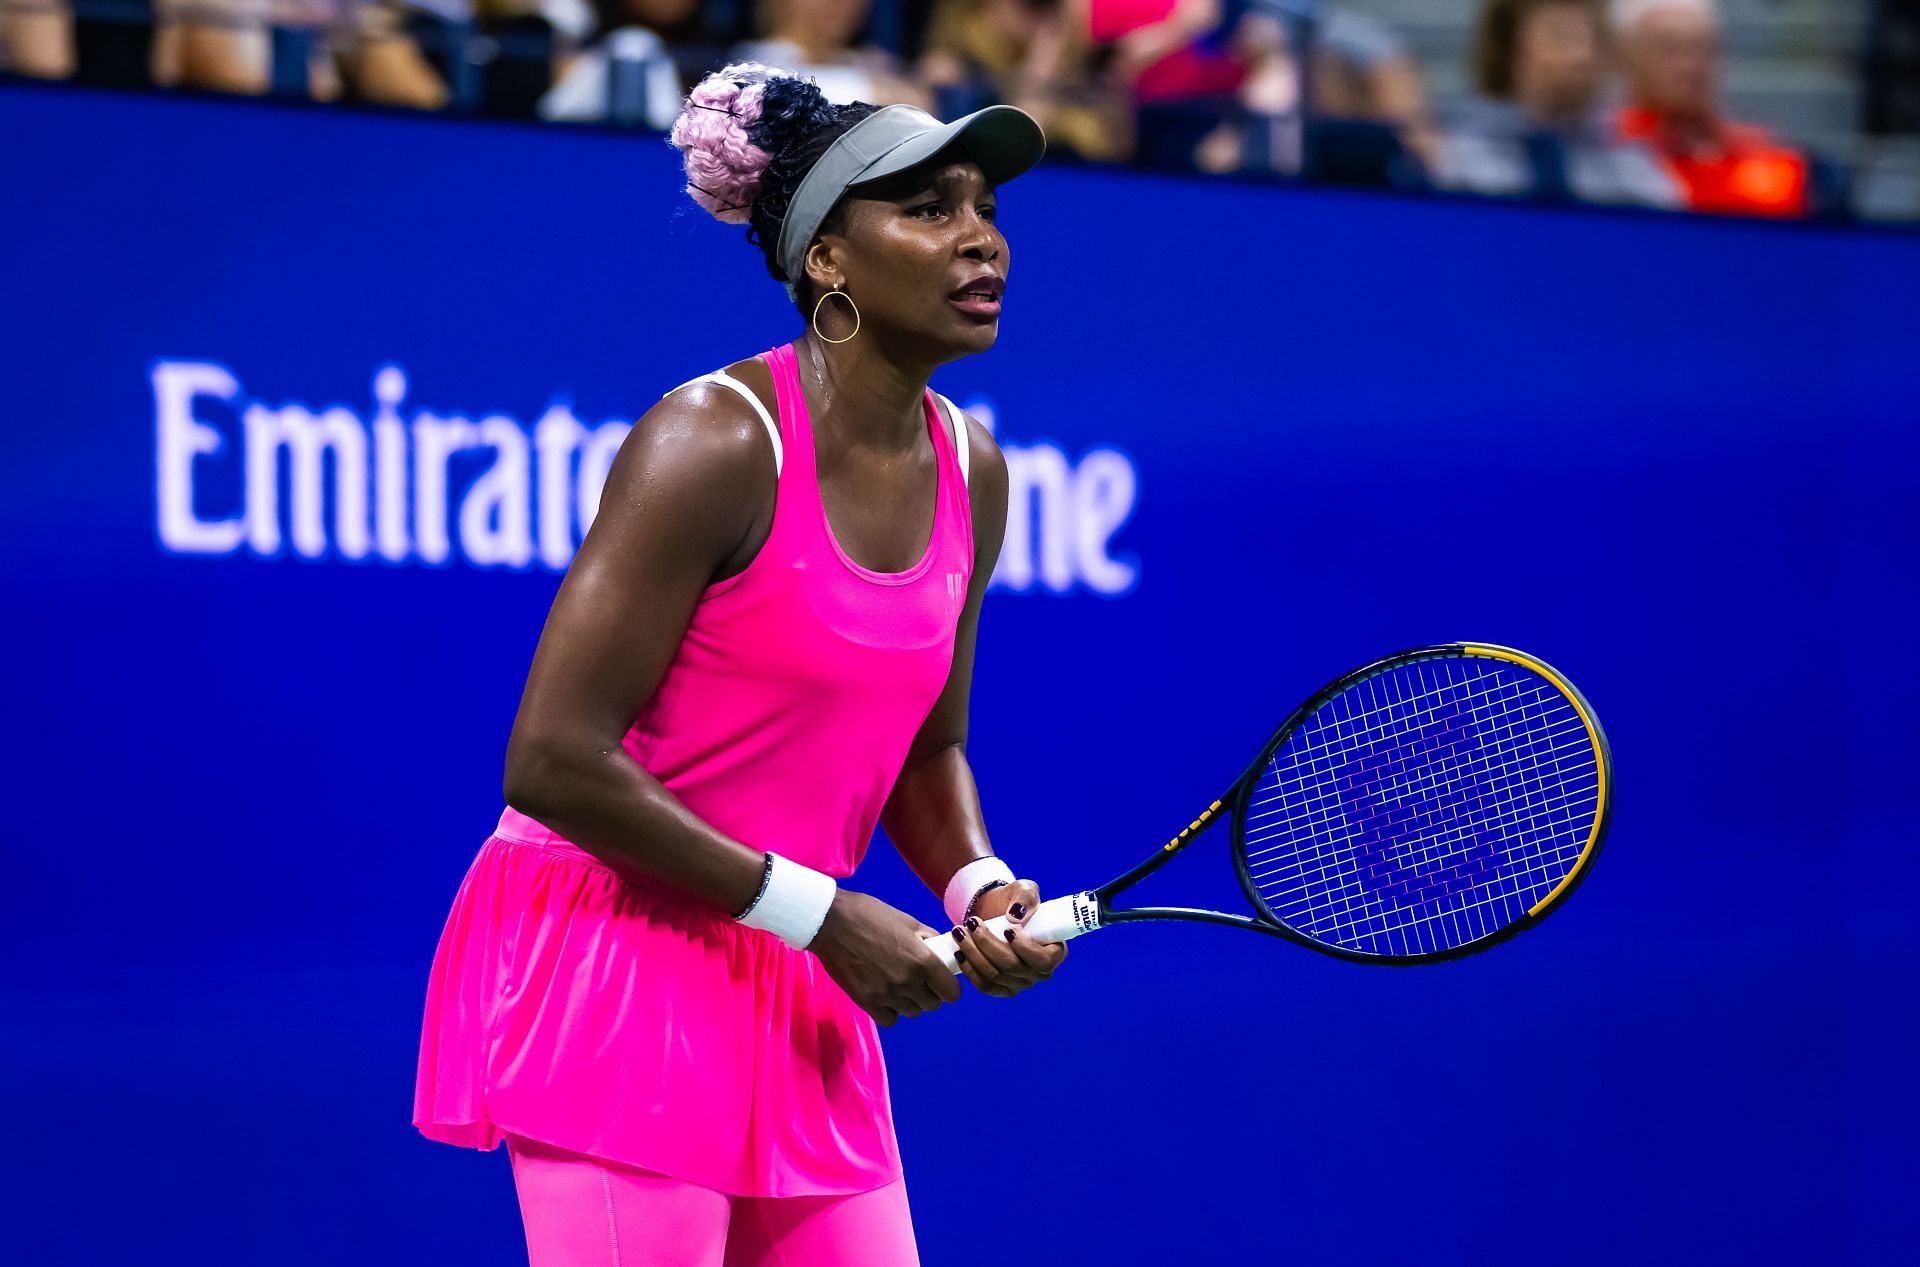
{"x": 1420, "y": 808}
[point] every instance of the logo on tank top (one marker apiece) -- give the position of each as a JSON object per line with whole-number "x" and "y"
{"x": 407, "y": 485}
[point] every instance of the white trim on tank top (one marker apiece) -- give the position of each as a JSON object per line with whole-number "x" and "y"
{"x": 773, "y": 428}
{"x": 956, "y": 421}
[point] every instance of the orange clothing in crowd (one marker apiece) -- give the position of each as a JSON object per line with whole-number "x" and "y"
{"x": 1744, "y": 172}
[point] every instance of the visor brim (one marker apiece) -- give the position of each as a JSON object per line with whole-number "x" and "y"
{"x": 1004, "y": 140}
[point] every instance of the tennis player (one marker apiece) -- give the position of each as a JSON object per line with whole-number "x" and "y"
{"x": 652, "y": 984}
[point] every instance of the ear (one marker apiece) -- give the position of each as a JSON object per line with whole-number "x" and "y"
{"x": 823, "y": 263}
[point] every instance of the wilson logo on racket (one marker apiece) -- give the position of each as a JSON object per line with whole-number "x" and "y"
{"x": 1420, "y": 788}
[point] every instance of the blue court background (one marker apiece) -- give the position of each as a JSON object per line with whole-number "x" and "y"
{"x": 1676, "y": 458}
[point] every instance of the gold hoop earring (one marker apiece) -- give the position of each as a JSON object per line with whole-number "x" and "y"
{"x": 816, "y": 314}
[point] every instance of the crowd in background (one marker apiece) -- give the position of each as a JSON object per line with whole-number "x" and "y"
{"x": 1608, "y": 101}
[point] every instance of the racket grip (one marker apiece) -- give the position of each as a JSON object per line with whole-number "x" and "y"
{"x": 1056, "y": 919}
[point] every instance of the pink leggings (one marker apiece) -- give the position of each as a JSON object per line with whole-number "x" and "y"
{"x": 581, "y": 1211}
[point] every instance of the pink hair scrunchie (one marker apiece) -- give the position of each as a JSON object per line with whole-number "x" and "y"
{"x": 723, "y": 166}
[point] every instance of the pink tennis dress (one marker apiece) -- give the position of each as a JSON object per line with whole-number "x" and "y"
{"x": 607, "y": 1015}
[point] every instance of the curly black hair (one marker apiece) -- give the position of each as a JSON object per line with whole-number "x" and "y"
{"x": 796, "y": 125}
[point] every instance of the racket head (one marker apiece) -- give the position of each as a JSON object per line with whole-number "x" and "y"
{"x": 1425, "y": 807}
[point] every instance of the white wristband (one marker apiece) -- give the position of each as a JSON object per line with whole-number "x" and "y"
{"x": 794, "y": 904}
{"x": 969, "y": 880}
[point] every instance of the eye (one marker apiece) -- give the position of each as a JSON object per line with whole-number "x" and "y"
{"x": 925, "y": 207}
{"x": 989, "y": 212}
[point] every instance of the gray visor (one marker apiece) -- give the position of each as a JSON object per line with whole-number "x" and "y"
{"x": 1004, "y": 140}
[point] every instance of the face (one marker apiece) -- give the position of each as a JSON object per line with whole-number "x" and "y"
{"x": 921, "y": 255}
{"x": 1557, "y": 60}
{"x": 1672, "y": 58}
{"x": 829, "y": 22}
{"x": 1020, "y": 21}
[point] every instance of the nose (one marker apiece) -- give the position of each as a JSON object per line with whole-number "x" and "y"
{"x": 981, "y": 242}
{"x": 982, "y": 249}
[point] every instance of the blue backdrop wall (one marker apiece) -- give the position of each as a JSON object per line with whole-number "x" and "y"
{"x": 1259, "y": 434}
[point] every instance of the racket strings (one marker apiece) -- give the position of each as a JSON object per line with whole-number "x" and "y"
{"x": 1297, "y": 807}
{"x": 1409, "y": 855}
{"x": 1539, "y": 802}
{"x": 1423, "y": 808}
{"x": 1527, "y": 803}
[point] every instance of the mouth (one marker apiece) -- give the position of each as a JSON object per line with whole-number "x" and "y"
{"x": 980, "y": 298}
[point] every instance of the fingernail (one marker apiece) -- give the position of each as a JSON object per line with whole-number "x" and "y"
{"x": 959, "y": 934}
{"x": 973, "y": 921}
{"x": 1019, "y": 910}
{"x": 959, "y": 956}
{"x": 1009, "y": 934}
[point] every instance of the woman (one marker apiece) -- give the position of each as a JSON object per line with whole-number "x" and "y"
{"x": 816, "y": 38}
{"x": 1034, "y": 54}
{"x": 1538, "y": 127}
{"x": 651, "y": 984}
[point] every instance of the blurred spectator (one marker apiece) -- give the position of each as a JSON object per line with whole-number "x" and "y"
{"x": 1892, "y": 65}
{"x": 1197, "y": 75}
{"x": 1360, "y": 73}
{"x": 1034, "y": 54}
{"x": 383, "y": 60}
{"x": 36, "y": 38}
{"x": 1363, "y": 71}
{"x": 1671, "y": 52}
{"x": 626, "y": 72}
{"x": 1537, "y": 127}
{"x": 220, "y": 45}
{"x": 530, "y": 42}
{"x": 496, "y": 57}
{"x": 815, "y": 37}
{"x": 229, "y": 46}
{"x": 1231, "y": 65}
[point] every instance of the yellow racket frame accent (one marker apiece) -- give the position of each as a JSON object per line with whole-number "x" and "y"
{"x": 1593, "y": 737}
{"x": 1206, "y": 816}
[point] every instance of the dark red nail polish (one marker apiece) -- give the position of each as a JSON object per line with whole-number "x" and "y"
{"x": 972, "y": 922}
{"x": 1019, "y": 910}
{"x": 1009, "y": 934}
{"x": 959, "y": 957}
{"x": 959, "y": 934}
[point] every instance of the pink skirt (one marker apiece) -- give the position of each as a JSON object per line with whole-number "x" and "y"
{"x": 594, "y": 1012}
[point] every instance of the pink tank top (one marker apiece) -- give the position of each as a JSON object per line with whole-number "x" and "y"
{"x": 801, "y": 681}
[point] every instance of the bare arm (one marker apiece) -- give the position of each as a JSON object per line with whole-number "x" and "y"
{"x": 933, "y": 814}
{"x": 685, "y": 493}
{"x": 1140, "y": 48}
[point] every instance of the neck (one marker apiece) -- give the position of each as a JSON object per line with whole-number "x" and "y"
{"x": 1693, "y": 129}
{"x": 1686, "y": 125}
{"x": 869, "y": 397}
{"x": 1551, "y": 112}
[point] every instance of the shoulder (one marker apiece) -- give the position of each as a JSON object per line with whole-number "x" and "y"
{"x": 701, "y": 437}
{"x": 986, "y": 483}
{"x": 989, "y": 464}
{"x": 1753, "y": 139}
{"x": 986, "y": 465}
{"x": 707, "y": 404}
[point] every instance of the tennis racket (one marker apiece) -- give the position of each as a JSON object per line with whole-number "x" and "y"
{"x": 1420, "y": 808}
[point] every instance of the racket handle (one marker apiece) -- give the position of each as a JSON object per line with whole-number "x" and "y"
{"x": 1056, "y": 919}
